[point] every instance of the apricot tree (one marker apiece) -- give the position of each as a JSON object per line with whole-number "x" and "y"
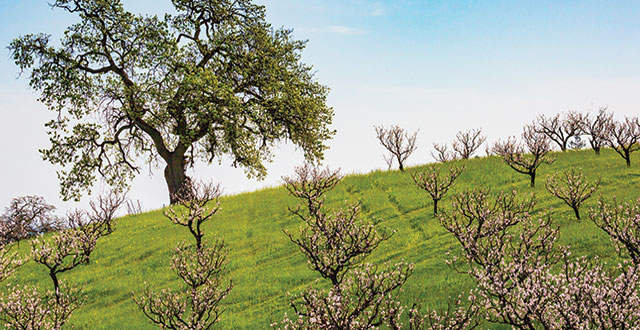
{"x": 596, "y": 128}
{"x": 201, "y": 267}
{"x": 442, "y": 153}
{"x": 516, "y": 156}
{"x": 524, "y": 278}
{"x": 624, "y": 137}
{"x": 26, "y": 307}
{"x": 436, "y": 185}
{"x": 622, "y": 223}
{"x": 399, "y": 143}
{"x": 361, "y": 295}
{"x": 559, "y": 128}
{"x": 467, "y": 142}
{"x": 572, "y": 188}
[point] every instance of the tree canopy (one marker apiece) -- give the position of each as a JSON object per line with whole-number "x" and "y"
{"x": 213, "y": 79}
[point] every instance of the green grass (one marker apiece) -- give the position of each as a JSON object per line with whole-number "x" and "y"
{"x": 265, "y": 266}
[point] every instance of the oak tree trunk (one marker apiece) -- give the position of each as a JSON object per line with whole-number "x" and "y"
{"x": 177, "y": 180}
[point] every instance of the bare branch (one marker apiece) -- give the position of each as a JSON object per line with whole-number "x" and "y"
{"x": 199, "y": 305}
{"x": 624, "y": 137}
{"x": 560, "y": 128}
{"x": 27, "y": 216}
{"x": 333, "y": 243}
{"x": 622, "y": 223}
{"x": 361, "y": 296}
{"x": 597, "y": 128}
{"x": 442, "y": 154}
{"x": 431, "y": 182}
{"x": 468, "y": 142}
{"x": 194, "y": 197}
{"x": 27, "y": 307}
{"x": 398, "y": 142}
{"x": 310, "y": 183}
{"x": 514, "y": 155}
{"x": 572, "y": 188}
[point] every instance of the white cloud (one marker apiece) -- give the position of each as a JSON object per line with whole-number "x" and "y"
{"x": 345, "y": 30}
{"x": 336, "y": 29}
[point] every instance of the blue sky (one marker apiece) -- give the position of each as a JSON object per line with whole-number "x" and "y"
{"x": 460, "y": 44}
{"x": 437, "y": 66}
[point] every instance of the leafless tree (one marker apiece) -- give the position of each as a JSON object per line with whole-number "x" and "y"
{"x": 361, "y": 296}
{"x": 431, "y": 181}
{"x": 574, "y": 123}
{"x": 389, "y": 160}
{"x": 195, "y": 203}
{"x": 488, "y": 150}
{"x": 468, "y": 142}
{"x": 27, "y": 307}
{"x": 572, "y": 188}
{"x": 597, "y": 128}
{"x": 134, "y": 207}
{"x": 525, "y": 279}
{"x": 198, "y": 306}
{"x": 442, "y": 153}
{"x": 624, "y": 137}
{"x": 105, "y": 207}
{"x": 560, "y": 128}
{"x": 28, "y": 216}
{"x": 201, "y": 267}
{"x": 513, "y": 153}
{"x": 586, "y": 295}
{"x": 365, "y": 299}
{"x": 9, "y": 261}
{"x": 68, "y": 248}
{"x": 309, "y": 184}
{"x": 399, "y": 143}
{"x": 476, "y": 213}
{"x": 333, "y": 243}
{"x": 622, "y": 223}
{"x": 24, "y": 308}
{"x": 503, "y": 265}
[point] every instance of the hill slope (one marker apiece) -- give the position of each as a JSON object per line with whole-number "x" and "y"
{"x": 265, "y": 266}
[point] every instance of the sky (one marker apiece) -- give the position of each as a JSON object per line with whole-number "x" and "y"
{"x": 434, "y": 66}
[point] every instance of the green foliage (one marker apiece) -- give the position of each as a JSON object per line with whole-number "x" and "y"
{"x": 265, "y": 266}
{"x": 215, "y": 79}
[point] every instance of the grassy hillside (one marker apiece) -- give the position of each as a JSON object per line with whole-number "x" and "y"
{"x": 265, "y": 266}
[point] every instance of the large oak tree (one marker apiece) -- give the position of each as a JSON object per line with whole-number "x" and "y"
{"x": 213, "y": 79}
